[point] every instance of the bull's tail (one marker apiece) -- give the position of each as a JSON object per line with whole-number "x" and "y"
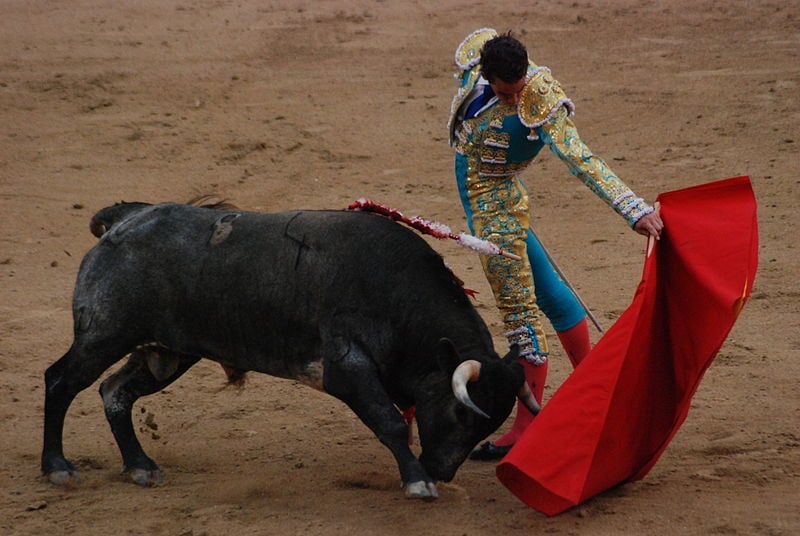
{"x": 106, "y": 217}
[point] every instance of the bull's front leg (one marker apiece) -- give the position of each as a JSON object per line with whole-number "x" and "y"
{"x": 354, "y": 380}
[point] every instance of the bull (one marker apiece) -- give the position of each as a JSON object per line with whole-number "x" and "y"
{"x": 349, "y": 303}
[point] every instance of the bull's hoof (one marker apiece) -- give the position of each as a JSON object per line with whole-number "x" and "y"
{"x": 422, "y": 490}
{"x": 64, "y": 477}
{"x": 60, "y": 471}
{"x": 147, "y": 478}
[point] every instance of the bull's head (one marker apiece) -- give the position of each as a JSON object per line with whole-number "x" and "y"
{"x": 470, "y": 371}
{"x": 478, "y": 399}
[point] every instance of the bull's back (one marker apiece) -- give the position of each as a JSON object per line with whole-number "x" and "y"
{"x": 256, "y": 284}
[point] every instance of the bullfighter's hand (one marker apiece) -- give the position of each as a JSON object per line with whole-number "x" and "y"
{"x": 650, "y": 225}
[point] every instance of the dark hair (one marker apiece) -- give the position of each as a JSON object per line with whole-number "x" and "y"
{"x": 504, "y": 57}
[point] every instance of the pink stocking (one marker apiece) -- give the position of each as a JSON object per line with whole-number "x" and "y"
{"x": 576, "y": 341}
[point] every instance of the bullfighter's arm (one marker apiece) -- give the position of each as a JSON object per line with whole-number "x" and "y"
{"x": 561, "y": 135}
{"x": 547, "y": 111}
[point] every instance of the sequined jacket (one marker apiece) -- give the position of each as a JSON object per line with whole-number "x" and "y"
{"x": 502, "y": 140}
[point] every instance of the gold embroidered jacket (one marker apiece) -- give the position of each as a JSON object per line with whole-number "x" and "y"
{"x": 502, "y": 141}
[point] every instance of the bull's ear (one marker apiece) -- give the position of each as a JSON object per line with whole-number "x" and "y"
{"x": 447, "y": 356}
{"x": 512, "y": 355}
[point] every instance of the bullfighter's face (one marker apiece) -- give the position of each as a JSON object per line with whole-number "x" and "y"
{"x": 508, "y": 93}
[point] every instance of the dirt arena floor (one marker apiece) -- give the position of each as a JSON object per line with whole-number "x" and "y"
{"x": 284, "y": 104}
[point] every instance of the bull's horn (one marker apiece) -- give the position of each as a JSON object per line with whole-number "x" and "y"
{"x": 468, "y": 371}
{"x": 525, "y": 396}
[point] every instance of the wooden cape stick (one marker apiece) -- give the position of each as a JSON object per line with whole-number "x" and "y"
{"x": 563, "y": 277}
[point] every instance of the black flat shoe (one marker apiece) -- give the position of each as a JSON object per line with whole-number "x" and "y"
{"x": 489, "y": 451}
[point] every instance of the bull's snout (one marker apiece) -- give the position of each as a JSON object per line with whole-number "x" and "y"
{"x": 441, "y": 469}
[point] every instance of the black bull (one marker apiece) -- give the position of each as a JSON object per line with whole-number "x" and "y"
{"x": 347, "y": 302}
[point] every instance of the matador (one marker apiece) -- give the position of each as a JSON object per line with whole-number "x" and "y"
{"x": 500, "y": 119}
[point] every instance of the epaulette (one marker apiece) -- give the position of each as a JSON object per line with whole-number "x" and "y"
{"x": 468, "y": 53}
{"x": 541, "y": 98}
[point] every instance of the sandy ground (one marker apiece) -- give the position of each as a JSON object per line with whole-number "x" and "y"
{"x": 285, "y": 104}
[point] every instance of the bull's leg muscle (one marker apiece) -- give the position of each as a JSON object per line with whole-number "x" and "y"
{"x": 353, "y": 380}
{"x": 120, "y": 391}
{"x": 64, "y": 379}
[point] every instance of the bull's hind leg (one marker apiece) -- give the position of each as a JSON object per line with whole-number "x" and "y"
{"x": 64, "y": 379}
{"x": 139, "y": 377}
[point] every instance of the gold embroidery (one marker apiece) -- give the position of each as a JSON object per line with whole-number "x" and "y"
{"x": 468, "y": 53}
{"x": 492, "y": 156}
{"x": 500, "y": 215}
{"x": 496, "y": 139}
{"x": 541, "y": 98}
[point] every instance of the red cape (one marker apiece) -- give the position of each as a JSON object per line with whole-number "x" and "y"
{"x": 615, "y": 414}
